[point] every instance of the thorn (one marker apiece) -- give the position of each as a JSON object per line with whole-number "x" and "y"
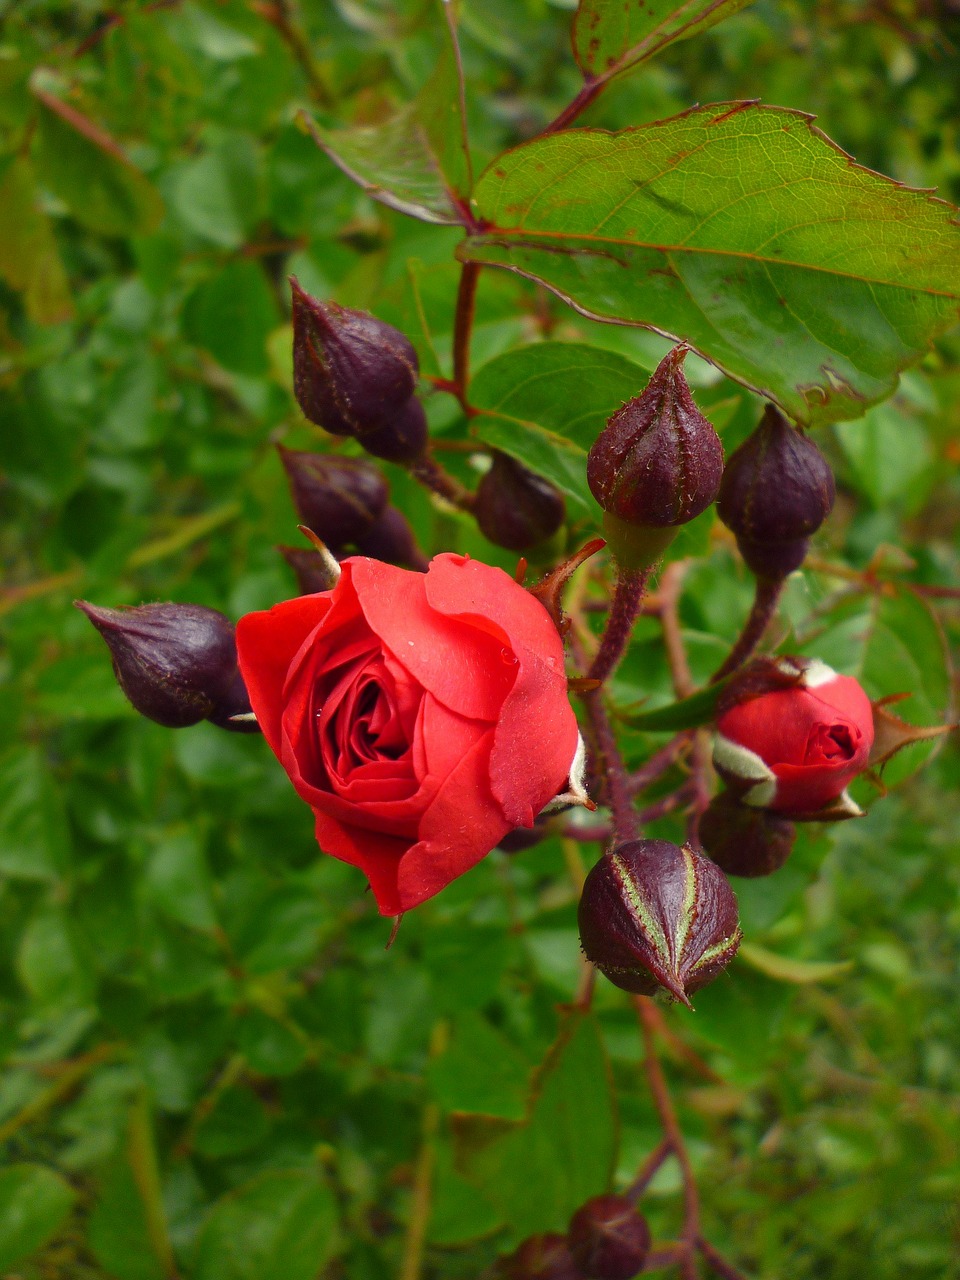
{"x": 583, "y": 684}
{"x": 245, "y": 717}
{"x": 394, "y": 931}
{"x": 521, "y": 571}
{"x": 330, "y": 563}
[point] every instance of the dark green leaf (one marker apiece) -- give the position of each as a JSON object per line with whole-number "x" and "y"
{"x": 232, "y": 315}
{"x": 688, "y": 713}
{"x": 772, "y": 269}
{"x": 33, "y": 830}
{"x": 34, "y": 1202}
{"x": 119, "y": 1232}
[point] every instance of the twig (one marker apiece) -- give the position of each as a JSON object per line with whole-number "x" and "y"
{"x": 627, "y": 599}
{"x": 142, "y": 1152}
{"x": 609, "y": 764}
{"x": 462, "y": 329}
{"x": 648, "y": 1170}
{"x": 658, "y": 763}
{"x": 591, "y": 89}
{"x": 717, "y": 1262}
{"x": 279, "y": 13}
{"x": 765, "y": 601}
{"x": 428, "y": 471}
{"x": 412, "y": 1264}
{"x": 71, "y": 1076}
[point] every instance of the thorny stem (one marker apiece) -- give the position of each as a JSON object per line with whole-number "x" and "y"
{"x": 671, "y": 1128}
{"x": 764, "y": 606}
{"x": 610, "y": 766}
{"x": 627, "y": 599}
{"x": 462, "y": 329}
{"x": 428, "y": 471}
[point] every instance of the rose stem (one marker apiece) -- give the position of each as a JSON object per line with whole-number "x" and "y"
{"x": 627, "y": 599}
{"x": 672, "y": 1135}
{"x": 412, "y": 1263}
{"x": 717, "y": 1262}
{"x": 428, "y": 471}
{"x": 765, "y": 600}
{"x": 648, "y": 1170}
{"x": 591, "y": 88}
{"x": 280, "y": 16}
{"x": 683, "y": 686}
{"x": 609, "y": 764}
{"x": 462, "y": 328}
{"x": 658, "y": 764}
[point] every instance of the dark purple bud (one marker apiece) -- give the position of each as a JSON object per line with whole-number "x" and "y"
{"x": 544, "y": 1257}
{"x": 744, "y": 840}
{"x": 177, "y": 663}
{"x": 403, "y": 436}
{"x": 609, "y": 1239}
{"x": 656, "y": 464}
{"x": 391, "y": 539}
{"x": 351, "y": 372}
{"x": 776, "y": 491}
{"x": 337, "y": 498}
{"x": 655, "y": 917}
{"x": 515, "y": 508}
{"x": 312, "y": 570}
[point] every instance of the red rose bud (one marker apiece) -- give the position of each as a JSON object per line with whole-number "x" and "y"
{"x": 391, "y": 539}
{"x": 744, "y": 841}
{"x": 351, "y": 372}
{"x": 656, "y": 465}
{"x": 544, "y": 1257}
{"x": 177, "y": 663}
{"x": 338, "y": 499}
{"x": 515, "y": 508}
{"x": 654, "y": 916}
{"x": 791, "y": 735}
{"x": 777, "y": 490}
{"x": 609, "y": 1239}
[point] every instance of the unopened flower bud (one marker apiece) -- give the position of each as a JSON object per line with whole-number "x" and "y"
{"x": 656, "y": 465}
{"x": 543, "y": 1257}
{"x": 745, "y": 841}
{"x": 351, "y": 371}
{"x": 777, "y": 490}
{"x": 337, "y": 498}
{"x": 515, "y": 508}
{"x": 403, "y": 436}
{"x": 655, "y": 916}
{"x": 177, "y": 663}
{"x": 609, "y": 1238}
{"x": 391, "y": 540}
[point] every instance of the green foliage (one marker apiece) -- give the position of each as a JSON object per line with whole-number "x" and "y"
{"x": 211, "y": 1067}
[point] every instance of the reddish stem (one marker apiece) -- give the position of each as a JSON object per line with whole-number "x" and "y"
{"x": 627, "y": 599}
{"x": 648, "y": 1170}
{"x": 659, "y": 763}
{"x": 433, "y": 476}
{"x": 609, "y": 764}
{"x": 462, "y": 329}
{"x": 764, "y": 607}
{"x": 717, "y": 1262}
{"x": 591, "y": 89}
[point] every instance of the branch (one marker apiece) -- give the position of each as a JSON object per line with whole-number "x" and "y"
{"x": 765, "y": 601}
{"x": 627, "y": 600}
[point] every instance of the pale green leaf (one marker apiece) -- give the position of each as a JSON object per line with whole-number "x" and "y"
{"x": 609, "y": 36}
{"x": 34, "y": 1201}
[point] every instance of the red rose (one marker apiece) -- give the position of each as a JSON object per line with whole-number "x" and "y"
{"x": 421, "y": 716}
{"x": 794, "y": 748}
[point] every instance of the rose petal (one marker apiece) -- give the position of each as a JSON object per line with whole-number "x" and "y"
{"x": 537, "y": 709}
{"x": 461, "y": 665}
{"x": 377, "y": 856}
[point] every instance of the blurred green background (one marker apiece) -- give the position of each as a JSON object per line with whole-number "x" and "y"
{"x": 211, "y": 1066}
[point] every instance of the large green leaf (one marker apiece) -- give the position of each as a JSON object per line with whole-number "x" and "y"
{"x": 545, "y": 405}
{"x": 538, "y": 1172}
{"x": 34, "y": 1201}
{"x": 609, "y": 36}
{"x": 29, "y": 259}
{"x": 418, "y": 161}
{"x": 743, "y": 230}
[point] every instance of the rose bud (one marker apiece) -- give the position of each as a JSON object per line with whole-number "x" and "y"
{"x": 515, "y": 508}
{"x": 403, "y": 705}
{"x": 609, "y": 1238}
{"x": 777, "y": 490}
{"x": 338, "y": 499}
{"x": 745, "y": 841}
{"x": 656, "y": 465}
{"x": 402, "y": 438}
{"x": 391, "y": 539}
{"x": 351, "y": 372}
{"x": 653, "y": 916}
{"x": 177, "y": 663}
{"x": 543, "y": 1257}
{"x": 791, "y": 734}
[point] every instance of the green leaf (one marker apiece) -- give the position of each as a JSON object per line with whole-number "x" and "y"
{"x": 688, "y": 713}
{"x": 610, "y": 36}
{"x": 86, "y": 168}
{"x": 119, "y": 1232}
{"x": 34, "y": 840}
{"x": 178, "y": 881}
{"x": 480, "y": 1071}
{"x": 29, "y": 258}
{"x": 34, "y": 1202}
{"x": 537, "y": 1173}
{"x": 232, "y": 315}
{"x": 545, "y": 404}
{"x": 787, "y": 969}
{"x": 418, "y": 161}
{"x": 742, "y": 230}
{"x": 281, "y": 1226}
{"x": 49, "y": 962}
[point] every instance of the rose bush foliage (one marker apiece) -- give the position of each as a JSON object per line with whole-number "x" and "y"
{"x": 421, "y": 716}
